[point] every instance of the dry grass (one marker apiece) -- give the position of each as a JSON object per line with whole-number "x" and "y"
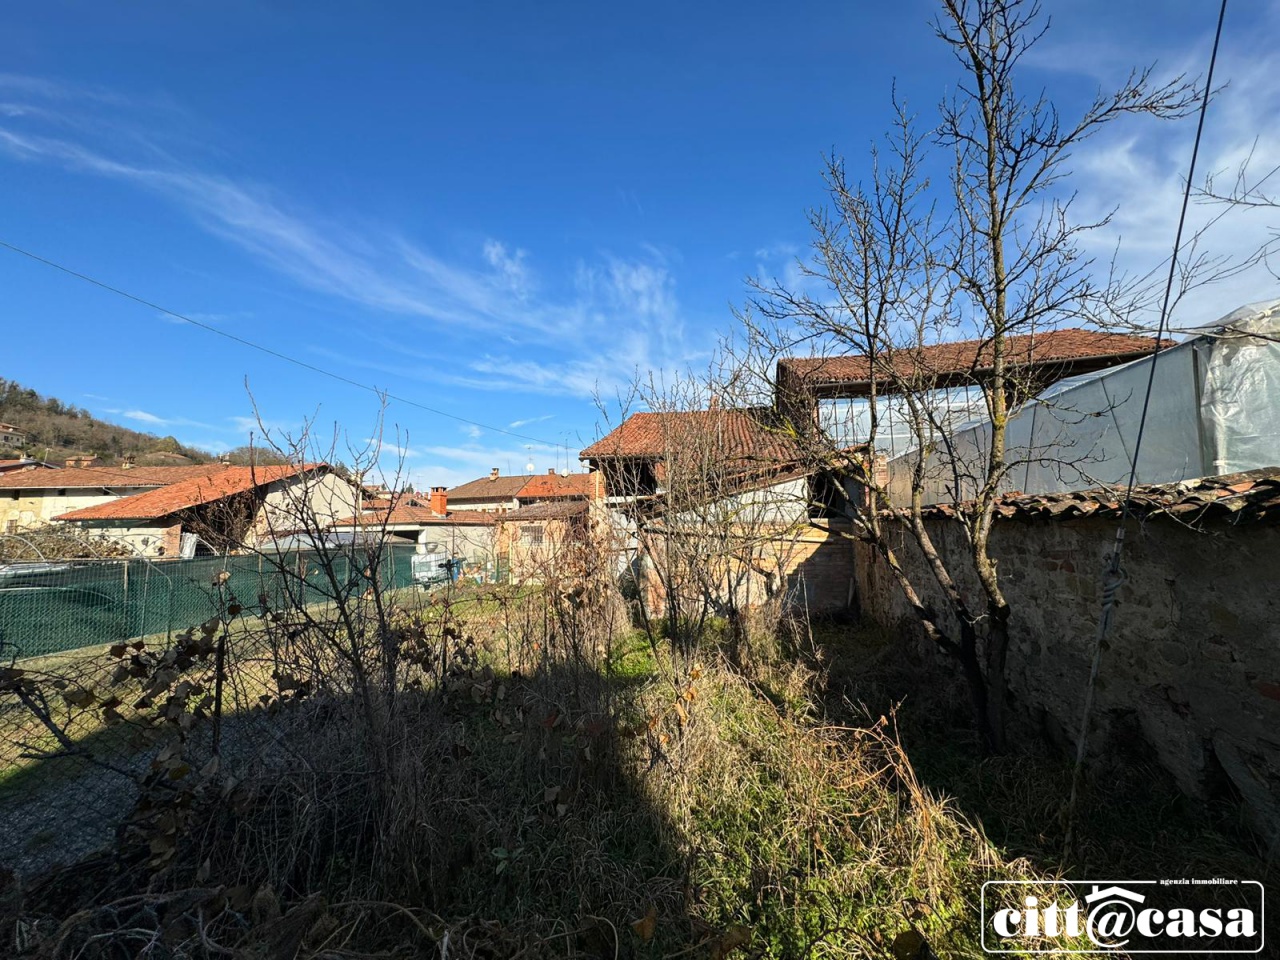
{"x": 543, "y": 795}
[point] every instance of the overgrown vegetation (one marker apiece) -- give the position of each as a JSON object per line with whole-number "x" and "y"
{"x": 538, "y": 800}
{"x": 494, "y": 772}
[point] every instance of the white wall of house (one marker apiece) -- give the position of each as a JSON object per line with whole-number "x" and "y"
{"x": 472, "y": 542}
{"x": 777, "y": 505}
{"x": 305, "y": 501}
{"x": 28, "y": 508}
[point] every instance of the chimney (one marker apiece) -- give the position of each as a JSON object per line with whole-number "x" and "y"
{"x": 714, "y": 402}
{"x": 551, "y": 471}
{"x": 82, "y": 460}
{"x": 493, "y": 474}
{"x": 127, "y": 462}
{"x": 439, "y": 501}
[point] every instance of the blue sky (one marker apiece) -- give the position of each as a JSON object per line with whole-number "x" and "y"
{"x": 496, "y": 210}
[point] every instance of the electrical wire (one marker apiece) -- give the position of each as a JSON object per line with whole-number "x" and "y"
{"x": 267, "y": 350}
{"x": 1114, "y": 577}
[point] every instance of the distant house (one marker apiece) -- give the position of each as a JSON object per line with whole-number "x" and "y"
{"x": 224, "y": 508}
{"x": 12, "y": 440}
{"x": 537, "y": 542}
{"x": 465, "y": 535}
{"x": 498, "y": 494}
{"x": 491, "y": 494}
{"x": 32, "y": 496}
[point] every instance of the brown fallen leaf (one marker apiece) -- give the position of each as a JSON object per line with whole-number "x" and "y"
{"x": 646, "y": 925}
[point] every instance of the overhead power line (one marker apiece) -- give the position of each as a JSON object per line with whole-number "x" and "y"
{"x": 277, "y": 354}
{"x": 1114, "y": 577}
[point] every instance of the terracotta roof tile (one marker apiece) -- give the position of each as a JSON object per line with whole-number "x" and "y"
{"x": 742, "y": 435}
{"x": 490, "y": 488}
{"x": 1253, "y": 496}
{"x": 80, "y": 478}
{"x": 184, "y": 494}
{"x": 963, "y": 357}
{"x": 550, "y": 486}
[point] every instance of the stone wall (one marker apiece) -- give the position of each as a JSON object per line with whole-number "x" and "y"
{"x": 1192, "y": 667}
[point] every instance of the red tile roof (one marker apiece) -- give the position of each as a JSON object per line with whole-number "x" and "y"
{"x": 538, "y": 486}
{"x": 742, "y": 435}
{"x": 973, "y": 357}
{"x": 489, "y": 488}
{"x": 550, "y": 486}
{"x": 95, "y": 478}
{"x": 1236, "y": 498}
{"x": 163, "y": 501}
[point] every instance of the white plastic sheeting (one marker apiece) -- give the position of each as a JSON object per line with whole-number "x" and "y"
{"x": 1215, "y": 409}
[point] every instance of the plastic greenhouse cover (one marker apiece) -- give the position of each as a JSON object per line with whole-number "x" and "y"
{"x": 1215, "y": 409}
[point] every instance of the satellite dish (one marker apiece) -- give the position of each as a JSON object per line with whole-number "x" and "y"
{"x": 564, "y": 471}
{"x": 528, "y": 467}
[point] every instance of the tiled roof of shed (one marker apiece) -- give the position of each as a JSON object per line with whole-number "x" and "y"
{"x": 733, "y": 434}
{"x": 1252, "y": 496}
{"x": 413, "y": 514}
{"x": 553, "y": 510}
{"x": 95, "y": 478}
{"x": 974, "y": 356}
{"x": 198, "y": 490}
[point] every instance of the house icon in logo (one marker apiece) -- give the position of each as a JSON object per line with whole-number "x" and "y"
{"x": 1107, "y": 893}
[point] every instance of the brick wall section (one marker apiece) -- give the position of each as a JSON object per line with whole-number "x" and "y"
{"x": 817, "y": 573}
{"x": 1193, "y": 662}
{"x": 821, "y": 574}
{"x": 172, "y": 540}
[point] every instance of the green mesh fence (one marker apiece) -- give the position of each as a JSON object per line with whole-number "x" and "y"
{"x": 49, "y": 608}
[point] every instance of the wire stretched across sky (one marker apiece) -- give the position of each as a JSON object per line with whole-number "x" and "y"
{"x": 277, "y": 354}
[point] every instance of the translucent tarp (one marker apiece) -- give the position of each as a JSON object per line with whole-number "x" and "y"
{"x": 1215, "y": 409}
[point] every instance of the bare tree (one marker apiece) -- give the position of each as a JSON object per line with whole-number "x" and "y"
{"x": 900, "y": 266}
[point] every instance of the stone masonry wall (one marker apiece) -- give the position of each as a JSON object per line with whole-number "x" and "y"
{"x": 1192, "y": 666}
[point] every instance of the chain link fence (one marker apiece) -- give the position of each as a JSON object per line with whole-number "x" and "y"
{"x": 48, "y": 608}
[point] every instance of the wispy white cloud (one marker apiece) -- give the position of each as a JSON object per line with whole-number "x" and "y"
{"x": 143, "y": 416}
{"x": 155, "y": 420}
{"x": 563, "y": 334}
{"x": 516, "y": 424}
{"x": 1135, "y": 172}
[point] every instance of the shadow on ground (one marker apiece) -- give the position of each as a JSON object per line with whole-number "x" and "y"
{"x": 502, "y": 815}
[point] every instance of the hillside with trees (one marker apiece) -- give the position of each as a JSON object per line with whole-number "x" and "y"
{"x": 56, "y": 430}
